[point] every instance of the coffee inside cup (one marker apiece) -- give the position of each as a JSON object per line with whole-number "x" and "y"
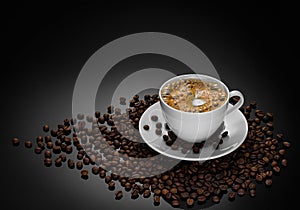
{"x": 194, "y": 95}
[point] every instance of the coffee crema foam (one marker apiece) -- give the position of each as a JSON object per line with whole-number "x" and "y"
{"x": 194, "y": 95}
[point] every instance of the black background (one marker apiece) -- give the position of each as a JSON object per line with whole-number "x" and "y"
{"x": 45, "y": 47}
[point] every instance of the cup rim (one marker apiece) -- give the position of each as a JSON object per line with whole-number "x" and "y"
{"x": 194, "y": 76}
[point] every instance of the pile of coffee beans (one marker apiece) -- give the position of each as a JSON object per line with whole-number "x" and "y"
{"x": 106, "y": 145}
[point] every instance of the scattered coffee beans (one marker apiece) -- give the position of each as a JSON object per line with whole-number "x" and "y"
{"x": 154, "y": 118}
{"x": 15, "y": 141}
{"x": 28, "y": 144}
{"x": 45, "y": 128}
{"x": 261, "y": 155}
{"x": 84, "y": 174}
{"x": 48, "y": 162}
{"x": 146, "y": 127}
{"x": 122, "y": 101}
{"x": 118, "y": 195}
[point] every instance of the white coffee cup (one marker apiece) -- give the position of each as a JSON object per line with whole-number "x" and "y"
{"x": 197, "y": 127}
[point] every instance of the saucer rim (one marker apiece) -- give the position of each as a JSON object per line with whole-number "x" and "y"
{"x": 195, "y": 159}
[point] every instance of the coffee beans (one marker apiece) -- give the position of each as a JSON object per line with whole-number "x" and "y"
{"x": 48, "y": 162}
{"x": 224, "y": 134}
{"x": 15, "y": 141}
{"x": 71, "y": 164}
{"x": 46, "y": 128}
{"x": 158, "y": 131}
{"x": 158, "y": 125}
{"x": 118, "y": 195}
{"x": 84, "y": 174}
{"x": 231, "y": 196}
{"x": 122, "y": 101}
{"x": 154, "y": 118}
{"x": 28, "y": 144}
{"x": 146, "y": 127}
{"x": 190, "y": 202}
{"x": 261, "y": 155}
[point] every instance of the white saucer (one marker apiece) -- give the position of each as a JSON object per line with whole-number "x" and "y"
{"x": 235, "y": 123}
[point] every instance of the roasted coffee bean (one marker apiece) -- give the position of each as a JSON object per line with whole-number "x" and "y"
{"x": 56, "y": 149}
{"x": 216, "y": 199}
{"x": 252, "y": 186}
{"x": 158, "y": 125}
{"x": 106, "y": 116}
{"x": 47, "y": 162}
{"x": 175, "y": 203}
{"x": 158, "y": 131}
{"x": 38, "y": 150}
{"x": 259, "y": 178}
{"x": 110, "y": 122}
{"x": 282, "y": 152}
{"x": 79, "y": 165}
{"x": 276, "y": 169}
{"x": 146, "y": 127}
{"x": 165, "y": 137}
{"x": 122, "y": 101}
{"x": 169, "y": 142}
{"x": 201, "y": 199}
{"x": 46, "y": 128}
{"x": 28, "y": 144}
{"x": 69, "y": 149}
{"x": 79, "y": 156}
{"x": 231, "y": 196}
{"x": 196, "y": 150}
{"x": 241, "y": 192}
{"x": 110, "y": 109}
{"x": 15, "y": 141}
{"x": 136, "y": 98}
{"x": 97, "y": 114}
{"x": 111, "y": 185}
{"x": 252, "y": 193}
{"x": 102, "y": 174}
{"x": 63, "y": 157}
{"x": 71, "y": 164}
{"x": 154, "y": 118}
{"x": 47, "y": 154}
{"x": 268, "y": 182}
{"x": 118, "y": 195}
{"x": 58, "y": 162}
{"x": 86, "y": 161}
{"x": 118, "y": 111}
{"x": 47, "y": 139}
{"x": 156, "y": 200}
{"x": 84, "y": 174}
{"x": 95, "y": 170}
{"x": 224, "y": 134}
{"x": 134, "y": 194}
{"x": 41, "y": 145}
{"x": 190, "y": 202}
{"x": 53, "y": 133}
{"x": 101, "y": 120}
{"x": 286, "y": 144}
{"x": 284, "y": 162}
{"x": 146, "y": 193}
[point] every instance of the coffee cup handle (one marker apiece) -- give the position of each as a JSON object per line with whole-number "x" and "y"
{"x": 232, "y": 93}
